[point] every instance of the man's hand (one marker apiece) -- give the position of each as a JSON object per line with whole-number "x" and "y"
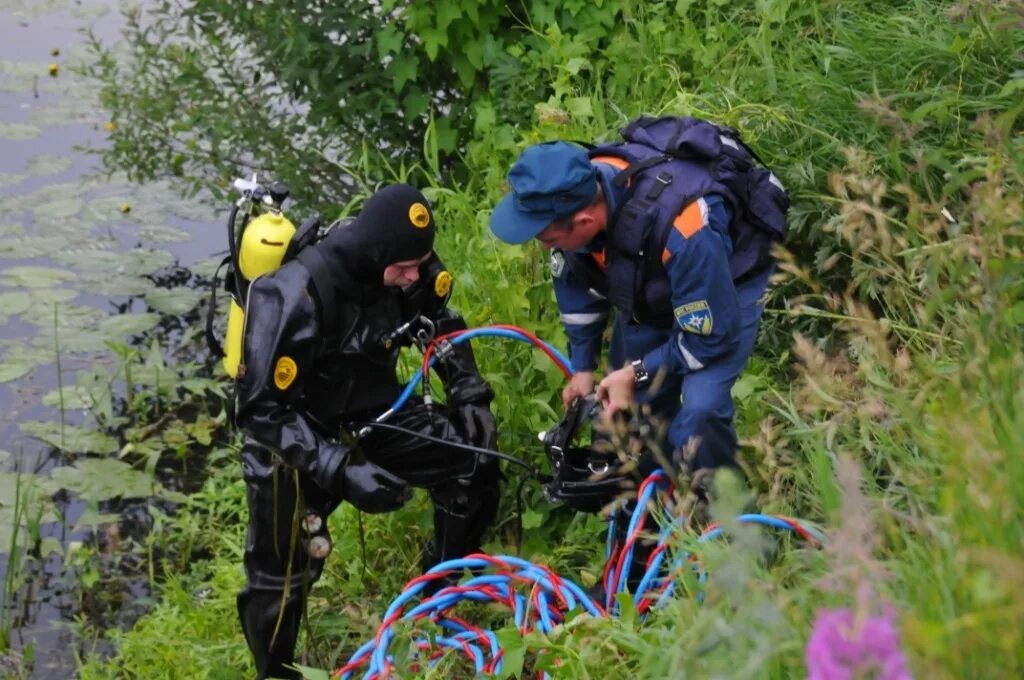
{"x": 371, "y": 488}
{"x": 616, "y": 391}
{"x": 580, "y": 385}
{"x": 478, "y": 424}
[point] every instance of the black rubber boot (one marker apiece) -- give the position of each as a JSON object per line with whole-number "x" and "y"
{"x": 258, "y": 611}
{"x": 276, "y": 562}
{"x": 463, "y": 511}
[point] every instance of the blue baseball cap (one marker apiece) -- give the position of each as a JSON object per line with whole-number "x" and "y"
{"x": 550, "y": 181}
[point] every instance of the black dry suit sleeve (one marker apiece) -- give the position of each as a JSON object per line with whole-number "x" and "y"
{"x": 459, "y": 373}
{"x": 279, "y": 347}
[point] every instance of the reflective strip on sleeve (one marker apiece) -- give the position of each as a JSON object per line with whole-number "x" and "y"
{"x": 691, "y": 361}
{"x": 583, "y": 319}
{"x": 692, "y": 219}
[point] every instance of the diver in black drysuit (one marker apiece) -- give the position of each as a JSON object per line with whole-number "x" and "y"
{"x": 307, "y": 377}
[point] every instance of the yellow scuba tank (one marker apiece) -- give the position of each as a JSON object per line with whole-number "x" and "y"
{"x": 264, "y": 241}
{"x": 262, "y": 249}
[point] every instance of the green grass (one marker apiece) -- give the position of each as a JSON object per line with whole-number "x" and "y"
{"x": 893, "y": 339}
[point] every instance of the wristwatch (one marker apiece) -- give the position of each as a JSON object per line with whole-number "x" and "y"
{"x": 640, "y": 375}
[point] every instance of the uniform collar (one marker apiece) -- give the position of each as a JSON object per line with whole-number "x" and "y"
{"x": 614, "y": 195}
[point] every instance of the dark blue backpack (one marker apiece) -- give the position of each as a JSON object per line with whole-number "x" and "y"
{"x": 673, "y": 161}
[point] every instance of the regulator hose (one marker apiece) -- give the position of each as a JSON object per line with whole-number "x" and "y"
{"x": 458, "y": 337}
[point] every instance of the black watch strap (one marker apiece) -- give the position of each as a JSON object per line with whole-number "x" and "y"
{"x": 640, "y": 375}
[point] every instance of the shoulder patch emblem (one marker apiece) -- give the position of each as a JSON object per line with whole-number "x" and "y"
{"x": 695, "y": 317}
{"x": 419, "y": 215}
{"x": 285, "y": 371}
{"x": 557, "y": 264}
{"x": 443, "y": 283}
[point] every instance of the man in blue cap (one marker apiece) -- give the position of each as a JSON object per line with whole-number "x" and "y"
{"x": 670, "y": 245}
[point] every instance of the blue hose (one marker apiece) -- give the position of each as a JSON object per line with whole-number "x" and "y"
{"x": 469, "y": 335}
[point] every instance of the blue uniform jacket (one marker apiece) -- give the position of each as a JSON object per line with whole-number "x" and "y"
{"x": 704, "y": 300}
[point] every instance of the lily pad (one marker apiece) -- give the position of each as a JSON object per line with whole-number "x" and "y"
{"x": 14, "y": 368}
{"x": 53, "y": 193}
{"x": 67, "y": 111}
{"x": 92, "y": 259}
{"x": 197, "y": 211}
{"x": 62, "y": 209}
{"x": 19, "y": 359}
{"x": 18, "y": 131}
{"x": 76, "y": 439}
{"x": 173, "y": 300}
{"x": 206, "y": 268}
{"x": 142, "y": 261}
{"x": 73, "y": 230}
{"x": 15, "y": 83}
{"x": 35, "y": 277}
{"x": 75, "y": 397}
{"x": 135, "y": 262}
{"x": 8, "y": 179}
{"x": 92, "y": 518}
{"x": 70, "y": 317}
{"x": 46, "y": 164}
{"x": 20, "y": 70}
{"x": 124, "y": 325}
{"x": 31, "y": 246}
{"x": 162, "y": 233}
{"x": 13, "y": 304}
{"x": 89, "y": 11}
{"x": 102, "y": 479}
{"x": 107, "y": 209}
{"x": 120, "y": 285}
{"x": 48, "y": 296}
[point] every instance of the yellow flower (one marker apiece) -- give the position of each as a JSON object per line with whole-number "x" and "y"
{"x": 53, "y": 70}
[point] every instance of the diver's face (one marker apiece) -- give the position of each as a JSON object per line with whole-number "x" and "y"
{"x": 404, "y": 273}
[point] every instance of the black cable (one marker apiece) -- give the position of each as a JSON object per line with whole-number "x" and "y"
{"x": 536, "y": 474}
{"x": 519, "y": 515}
{"x": 533, "y": 472}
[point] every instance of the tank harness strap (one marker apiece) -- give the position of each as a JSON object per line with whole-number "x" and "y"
{"x": 211, "y": 339}
{"x": 304, "y": 236}
{"x": 323, "y": 284}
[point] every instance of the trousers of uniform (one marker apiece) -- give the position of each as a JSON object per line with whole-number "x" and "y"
{"x": 698, "y": 405}
{"x": 278, "y": 567}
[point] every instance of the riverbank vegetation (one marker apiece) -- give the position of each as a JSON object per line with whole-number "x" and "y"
{"x": 885, "y": 398}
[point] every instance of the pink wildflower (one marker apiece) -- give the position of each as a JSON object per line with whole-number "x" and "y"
{"x": 844, "y": 648}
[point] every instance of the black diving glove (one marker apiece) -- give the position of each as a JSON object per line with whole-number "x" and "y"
{"x": 478, "y": 425}
{"x": 371, "y": 488}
